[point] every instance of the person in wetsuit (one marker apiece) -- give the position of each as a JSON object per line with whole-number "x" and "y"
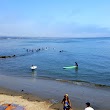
{"x": 76, "y": 64}
{"x": 66, "y": 102}
{"x": 76, "y": 68}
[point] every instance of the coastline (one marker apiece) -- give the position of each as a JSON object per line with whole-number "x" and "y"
{"x": 53, "y": 91}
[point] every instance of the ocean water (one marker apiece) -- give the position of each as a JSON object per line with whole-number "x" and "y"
{"x": 91, "y": 54}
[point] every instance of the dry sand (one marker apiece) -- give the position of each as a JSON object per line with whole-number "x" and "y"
{"x": 29, "y": 105}
{"x": 27, "y": 100}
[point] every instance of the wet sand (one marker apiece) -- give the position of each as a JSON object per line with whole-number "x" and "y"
{"x": 53, "y": 91}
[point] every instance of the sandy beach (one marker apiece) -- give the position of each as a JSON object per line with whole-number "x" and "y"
{"x": 28, "y": 101}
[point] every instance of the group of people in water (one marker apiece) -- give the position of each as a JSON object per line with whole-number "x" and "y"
{"x": 36, "y": 50}
{"x": 67, "y": 104}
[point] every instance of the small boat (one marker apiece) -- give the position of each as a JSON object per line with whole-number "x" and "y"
{"x": 33, "y": 67}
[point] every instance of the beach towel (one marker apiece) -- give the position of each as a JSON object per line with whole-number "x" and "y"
{"x": 11, "y": 107}
{"x": 19, "y": 108}
{"x": 2, "y": 107}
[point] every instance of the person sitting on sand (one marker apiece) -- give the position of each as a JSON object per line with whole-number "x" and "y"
{"x": 66, "y": 102}
{"x": 88, "y": 106}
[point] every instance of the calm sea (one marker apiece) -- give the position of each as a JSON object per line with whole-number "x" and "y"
{"x": 50, "y": 55}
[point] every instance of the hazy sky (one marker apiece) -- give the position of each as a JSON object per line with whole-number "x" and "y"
{"x": 55, "y": 18}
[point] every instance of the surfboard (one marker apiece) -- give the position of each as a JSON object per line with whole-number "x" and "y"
{"x": 69, "y": 67}
{"x": 33, "y": 67}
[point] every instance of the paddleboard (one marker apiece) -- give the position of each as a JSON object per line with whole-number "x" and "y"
{"x": 69, "y": 67}
{"x": 33, "y": 67}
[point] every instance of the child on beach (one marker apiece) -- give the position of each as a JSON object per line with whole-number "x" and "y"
{"x": 66, "y": 102}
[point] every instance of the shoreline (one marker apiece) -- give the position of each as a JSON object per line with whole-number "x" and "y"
{"x": 79, "y": 82}
{"x": 53, "y": 92}
{"x": 28, "y": 101}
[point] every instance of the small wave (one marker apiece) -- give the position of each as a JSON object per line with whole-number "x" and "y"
{"x": 77, "y": 82}
{"x": 85, "y": 83}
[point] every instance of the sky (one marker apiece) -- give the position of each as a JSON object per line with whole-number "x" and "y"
{"x": 55, "y": 18}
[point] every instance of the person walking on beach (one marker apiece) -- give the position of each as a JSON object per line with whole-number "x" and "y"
{"x": 66, "y": 102}
{"x": 88, "y": 106}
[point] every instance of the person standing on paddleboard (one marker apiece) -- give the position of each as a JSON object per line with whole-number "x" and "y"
{"x": 76, "y": 64}
{"x": 76, "y": 67}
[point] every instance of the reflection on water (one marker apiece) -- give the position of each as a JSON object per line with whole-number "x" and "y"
{"x": 76, "y": 70}
{"x": 34, "y": 73}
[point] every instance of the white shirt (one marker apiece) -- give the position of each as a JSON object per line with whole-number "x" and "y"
{"x": 89, "y": 108}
